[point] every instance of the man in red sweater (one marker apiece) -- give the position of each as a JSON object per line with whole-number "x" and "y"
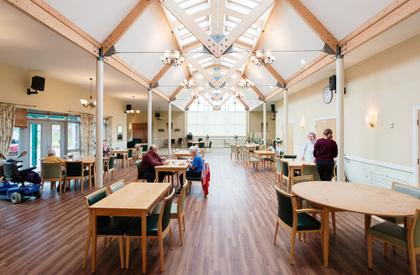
{"x": 148, "y": 163}
{"x": 325, "y": 150}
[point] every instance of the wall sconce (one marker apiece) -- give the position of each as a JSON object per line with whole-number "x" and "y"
{"x": 302, "y": 123}
{"x": 372, "y": 119}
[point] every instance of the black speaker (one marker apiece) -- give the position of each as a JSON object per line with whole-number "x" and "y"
{"x": 273, "y": 108}
{"x": 38, "y": 83}
{"x": 332, "y": 83}
{"x": 128, "y": 108}
{"x": 157, "y": 115}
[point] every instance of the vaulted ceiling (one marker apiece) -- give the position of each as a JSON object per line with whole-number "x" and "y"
{"x": 217, "y": 38}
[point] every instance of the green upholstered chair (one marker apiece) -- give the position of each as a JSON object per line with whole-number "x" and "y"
{"x": 311, "y": 170}
{"x": 113, "y": 227}
{"x": 130, "y": 156}
{"x": 285, "y": 171}
{"x": 201, "y": 144}
{"x": 294, "y": 219}
{"x": 109, "y": 168}
{"x": 177, "y": 210}
{"x": 278, "y": 171}
{"x": 51, "y": 172}
{"x": 158, "y": 226}
{"x": 250, "y": 159}
{"x": 115, "y": 187}
{"x": 393, "y": 234}
{"x": 74, "y": 171}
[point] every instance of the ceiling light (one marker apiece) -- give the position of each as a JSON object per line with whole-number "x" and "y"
{"x": 245, "y": 83}
{"x": 188, "y": 84}
{"x": 89, "y": 103}
{"x": 129, "y": 108}
{"x": 303, "y": 61}
{"x": 262, "y": 58}
{"x": 172, "y": 58}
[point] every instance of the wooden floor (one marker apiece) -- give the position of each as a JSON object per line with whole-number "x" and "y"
{"x": 230, "y": 232}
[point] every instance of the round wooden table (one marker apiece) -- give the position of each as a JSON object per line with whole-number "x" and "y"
{"x": 359, "y": 198}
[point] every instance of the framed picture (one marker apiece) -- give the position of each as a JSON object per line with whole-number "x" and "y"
{"x": 119, "y": 132}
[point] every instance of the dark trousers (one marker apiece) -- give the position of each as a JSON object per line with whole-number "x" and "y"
{"x": 151, "y": 176}
{"x": 190, "y": 175}
{"x": 325, "y": 169}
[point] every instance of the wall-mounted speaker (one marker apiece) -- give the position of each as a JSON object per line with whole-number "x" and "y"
{"x": 37, "y": 85}
{"x": 273, "y": 108}
{"x": 332, "y": 83}
{"x": 157, "y": 115}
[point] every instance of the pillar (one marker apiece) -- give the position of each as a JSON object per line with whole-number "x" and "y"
{"x": 264, "y": 124}
{"x": 285, "y": 121}
{"x": 170, "y": 128}
{"x": 340, "y": 114}
{"x": 149, "y": 117}
{"x": 99, "y": 120}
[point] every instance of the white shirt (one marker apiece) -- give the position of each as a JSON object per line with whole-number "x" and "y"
{"x": 308, "y": 151}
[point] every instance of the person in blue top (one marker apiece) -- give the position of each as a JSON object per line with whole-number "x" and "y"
{"x": 196, "y": 165}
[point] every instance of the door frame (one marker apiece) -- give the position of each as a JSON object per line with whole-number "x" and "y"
{"x": 416, "y": 137}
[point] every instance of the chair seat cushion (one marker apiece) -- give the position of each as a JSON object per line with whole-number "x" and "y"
{"x": 194, "y": 178}
{"x": 134, "y": 228}
{"x": 307, "y": 222}
{"x": 389, "y": 231}
{"x": 112, "y": 225}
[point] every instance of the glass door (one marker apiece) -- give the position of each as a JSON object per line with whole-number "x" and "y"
{"x": 35, "y": 138}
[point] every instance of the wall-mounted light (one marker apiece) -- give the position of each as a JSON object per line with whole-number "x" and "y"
{"x": 302, "y": 123}
{"x": 372, "y": 119}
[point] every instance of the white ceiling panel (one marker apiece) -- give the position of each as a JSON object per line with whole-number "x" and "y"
{"x": 344, "y": 16}
{"x": 149, "y": 35}
{"x": 97, "y": 17}
{"x": 287, "y": 31}
{"x": 171, "y": 80}
{"x": 262, "y": 79}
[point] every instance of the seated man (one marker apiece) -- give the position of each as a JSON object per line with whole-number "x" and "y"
{"x": 196, "y": 166}
{"x": 148, "y": 163}
{"x": 52, "y": 158}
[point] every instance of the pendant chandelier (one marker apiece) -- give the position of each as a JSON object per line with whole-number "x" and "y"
{"x": 129, "y": 108}
{"x": 89, "y": 103}
{"x": 245, "y": 83}
{"x": 188, "y": 84}
{"x": 172, "y": 58}
{"x": 262, "y": 58}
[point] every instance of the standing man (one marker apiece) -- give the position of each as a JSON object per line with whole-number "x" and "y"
{"x": 325, "y": 150}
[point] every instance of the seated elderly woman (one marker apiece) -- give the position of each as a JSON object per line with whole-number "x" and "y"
{"x": 195, "y": 166}
{"x": 52, "y": 158}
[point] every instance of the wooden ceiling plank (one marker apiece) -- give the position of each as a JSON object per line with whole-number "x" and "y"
{"x": 243, "y": 103}
{"x": 275, "y": 74}
{"x": 259, "y": 94}
{"x": 314, "y": 23}
{"x": 159, "y": 75}
{"x": 125, "y": 24}
{"x": 178, "y": 90}
{"x": 189, "y": 103}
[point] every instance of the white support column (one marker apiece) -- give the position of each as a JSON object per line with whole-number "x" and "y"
{"x": 247, "y": 122}
{"x": 340, "y": 115}
{"x": 149, "y": 117}
{"x": 170, "y": 128}
{"x": 285, "y": 120}
{"x": 264, "y": 124}
{"x": 99, "y": 120}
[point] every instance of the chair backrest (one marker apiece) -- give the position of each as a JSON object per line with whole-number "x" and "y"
{"x": 74, "y": 169}
{"x": 210, "y": 142}
{"x": 111, "y": 163}
{"x": 182, "y": 196}
{"x": 10, "y": 170}
{"x": 115, "y": 186}
{"x": 51, "y": 171}
{"x": 96, "y": 196}
{"x": 285, "y": 168}
{"x": 406, "y": 189}
{"x": 201, "y": 145}
{"x": 200, "y": 139}
{"x": 285, "y": 207}
{"x": 130, "y": 153}
{"x": 144, "y": 148}
{"x": 189, "y": 144}
{"x": 278, "y": 165}
{"x": 311, "y": 170}
{"x": 289, "y": 156}
{"x": 296, "y": 180}
{"x": 165, "y": 212}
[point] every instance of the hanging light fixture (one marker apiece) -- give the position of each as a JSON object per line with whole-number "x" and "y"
{"x": 89, "y": 103}
{"x": 129, "y": 108}
{"x": 172, "y": 58}
{"x": 262, "y": 58}
{"x": 245, "y": 83}
{"x": 195, "y": 93}
{"x": 188, "y": 84}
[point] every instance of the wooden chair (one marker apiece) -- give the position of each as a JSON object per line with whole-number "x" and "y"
{"x": 234, "y": 151}
{"x": 294, "y": 219}
{"x": 393, "y": 234}
{"x": 158, "y": 226}
{"x": 251, "y": 159}
{"x": 285, "y": 172}
{"x": 52, "y": 172}
{"x": 296, "y": 180}
{"x": 109, "y": 168}
{"x": 74, "y": 171}
{"x": 311, "y": 170}
{"x": 115, "y": 187}
{"x": 108, "y": 227}
{"x": 130, "y": 159}
{"x": 278, "y": 171}
{"x": 177, "y": 210}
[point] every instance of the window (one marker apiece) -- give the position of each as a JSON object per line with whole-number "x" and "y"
{"x": 14, "y": 143}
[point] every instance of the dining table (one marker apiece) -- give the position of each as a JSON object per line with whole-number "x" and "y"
{"x": 296, "y": 167}
{"x": 265, "y": 153}
{"x": 123, "y": 152}
{"x": 136, "y": 199}
{"x": 355, "y": 197}
{"x": 183, "y": 154}
{"x": 173, "y": 165}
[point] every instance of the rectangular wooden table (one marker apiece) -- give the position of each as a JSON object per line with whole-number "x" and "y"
{"x": 173, "y": 166}
{"x": 183, "y": 154}
{"x": 133, "y": 200}
{"x": 123, "y": 152}
{"x": 265, "y": 153}
{"x": 296, "y": 166}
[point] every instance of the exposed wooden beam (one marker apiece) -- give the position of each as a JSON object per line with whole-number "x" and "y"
{"x": 125, "y": 24}
{"x": 275, "y": 74}
{"x": 389, "y": 17}
{"x": 259, "y": 94}
{"x": 273, "y": 94}
{"x": 240, "y": 99}
{"x": 189, "y": 103}
{"x": 314, "y": 23}
{"x": 159, "y": 75}
{"x": 48, "y": 17}
{"x": 178, "y": 90}
{"x": 124, "y": 68}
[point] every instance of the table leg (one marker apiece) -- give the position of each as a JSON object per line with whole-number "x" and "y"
{"x": 156, "y": 176}
{"x": 90, "y": 176}
{"x": 93, "y": 230}
{"x": 143, "y": 242}
{"x": 325, "y": 235}
{"x": 367, "y": 223}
